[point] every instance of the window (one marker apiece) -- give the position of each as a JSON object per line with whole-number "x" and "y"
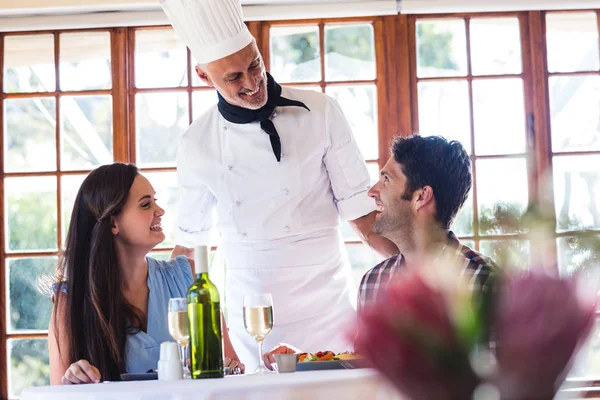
{"x": 521, "y": 91}
{"x": 338, "y": 59}
{"x": 572, "y": 74}
{"x": 470, "y": 88}
{"x": 57, "y": 101}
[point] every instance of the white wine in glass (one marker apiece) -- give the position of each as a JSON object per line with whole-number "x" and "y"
{"x": 179, "y": 328}
{"x": 258, "y": 320}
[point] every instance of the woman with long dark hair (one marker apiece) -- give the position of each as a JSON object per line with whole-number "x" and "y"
{"x": 110, "y": 311}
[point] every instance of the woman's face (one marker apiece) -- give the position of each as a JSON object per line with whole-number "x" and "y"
{"x": 139, "y": 223}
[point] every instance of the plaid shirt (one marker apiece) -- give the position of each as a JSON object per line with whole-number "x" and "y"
{"x": 378, "y": 278}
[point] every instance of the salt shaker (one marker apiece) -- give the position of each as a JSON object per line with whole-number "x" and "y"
{"x": 169, "y": 365}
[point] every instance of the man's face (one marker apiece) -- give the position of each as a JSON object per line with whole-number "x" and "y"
{"x": 395, "y": 215}
{"x": 240, "y": 78}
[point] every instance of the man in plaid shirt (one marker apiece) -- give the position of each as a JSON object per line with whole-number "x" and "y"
{"x": 421, "y": 189}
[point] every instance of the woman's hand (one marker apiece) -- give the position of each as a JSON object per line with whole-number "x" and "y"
{"x": 80, "y": 372}
{"x": 233, "y": 364}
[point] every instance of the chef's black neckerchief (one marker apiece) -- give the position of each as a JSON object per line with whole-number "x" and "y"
{"x": 240, "y": 115}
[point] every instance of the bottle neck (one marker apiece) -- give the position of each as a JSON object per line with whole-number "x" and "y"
{"x": 201, "y": 275}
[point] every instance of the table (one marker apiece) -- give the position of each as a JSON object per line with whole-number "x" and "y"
{"x": 358, "y": 384}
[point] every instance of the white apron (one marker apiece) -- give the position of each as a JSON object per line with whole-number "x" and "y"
{"x": 279, "y": 220}
{"x": 309, "y": 278}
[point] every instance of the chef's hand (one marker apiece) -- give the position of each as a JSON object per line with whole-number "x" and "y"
{"x": 233, "y": 364}
{"x": 281, "y": 348}
{"x": 80, "y": 372}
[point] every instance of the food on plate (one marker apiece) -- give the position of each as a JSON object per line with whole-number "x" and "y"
{"x": 326, "y": 356}
{"x": 348, "y": 355}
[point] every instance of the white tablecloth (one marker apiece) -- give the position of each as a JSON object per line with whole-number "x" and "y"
{"x": 357, "y": 384}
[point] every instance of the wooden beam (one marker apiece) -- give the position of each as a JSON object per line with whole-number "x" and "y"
{"x": 120, "y": 95}
{"x": 404, "y": 40}
{"x": 131, "y": 131}
{"x": 386, "y": 59}
{"x": 3, "y": 311}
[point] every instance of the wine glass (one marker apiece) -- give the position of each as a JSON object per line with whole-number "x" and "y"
{"x": 179, "y": 328}
{"x": 258, "y": 320}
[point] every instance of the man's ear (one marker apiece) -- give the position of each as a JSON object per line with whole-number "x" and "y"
{"x": 113, "y": 226}
{"x": 424, "y": 197}
{"x": 203, "y": 76}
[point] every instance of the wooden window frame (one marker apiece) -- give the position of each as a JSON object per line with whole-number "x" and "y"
{"x": 397, "y": 99}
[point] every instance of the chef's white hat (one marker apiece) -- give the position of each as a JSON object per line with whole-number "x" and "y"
{"x": 212, "y": 29}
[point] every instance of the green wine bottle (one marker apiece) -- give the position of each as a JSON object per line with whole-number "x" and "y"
{"x": 204, "y": 311}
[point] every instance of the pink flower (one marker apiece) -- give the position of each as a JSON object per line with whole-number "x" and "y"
{"x": 540, "y": 323}
{"x": 409, "y": 337}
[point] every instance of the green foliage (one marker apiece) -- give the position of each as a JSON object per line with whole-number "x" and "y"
{"x": 435, "y": 48}
{"x": 29, "y": 364}
{"x": 296, "y": 49}
{"x": 30, "y": 306}
{"x": 355, "y": 41}
{"x": 32, "y": 221}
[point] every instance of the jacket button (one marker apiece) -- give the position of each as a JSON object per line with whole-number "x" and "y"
{"x": 287, "y": 229}
{"x": 286, "y": 191}
{"x": 238, "y": 203}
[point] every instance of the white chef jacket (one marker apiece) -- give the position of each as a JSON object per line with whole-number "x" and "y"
{"x": 279, "y": 220}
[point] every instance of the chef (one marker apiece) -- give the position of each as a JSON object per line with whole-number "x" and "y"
{"x": 281, "y": 167}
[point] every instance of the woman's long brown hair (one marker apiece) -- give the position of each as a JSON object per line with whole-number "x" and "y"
{"x": 97, "y": 317}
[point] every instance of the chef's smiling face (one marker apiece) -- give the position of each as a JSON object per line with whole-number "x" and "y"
{"x": 241, "y": 77}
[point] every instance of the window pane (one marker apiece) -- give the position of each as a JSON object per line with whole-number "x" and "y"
{"x": 307, "y": 87}
{"x": 373, "y": 172}
{"x": 348, "y": 233}
{"x": 359, "y": 104}
{"x": 30, "y": 135}
{"x": 441, "y": 48}
{"x": 29, "y": 64}
{"x": 161, "y": 119}
{"x": 577, "y": 253}
{"x": 576, "y": 192}
{"x": 572, "y": 42}
{"x": 196, "y": 81}
{"x": 68, "y": 191}
{"x": 28, "y": 366}
{"x": 202, "y": 101}
{"x": 28, "y": 288}
{"x": 502, "y": 195}
{"x": 87, "y": 132}
{"x": 511, "y": 255}
{"x": 575, "y": 113}
{"x": 350, "y": 52}
{"x": 362, "y": 259}
{"x": 444, "y": 110}
{"x": 587, "y": 361}
{"x": 167, "y": 195}
{"x": 160, "y": 59}
{"x": 499, "y": 116}
{"x": 31, "y": 213}
{"x": 495, "y": 46}
{"x": 463, "y": 222}
{"x": 295, "y": 54}
{"x": 85, "y": 61}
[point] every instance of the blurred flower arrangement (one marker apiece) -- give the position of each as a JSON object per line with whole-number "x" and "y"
{"x": 433, "y": 338}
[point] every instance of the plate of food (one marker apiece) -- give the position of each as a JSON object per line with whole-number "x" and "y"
{"x": 325, "y": 360}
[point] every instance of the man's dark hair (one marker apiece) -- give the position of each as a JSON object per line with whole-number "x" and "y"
{"x": 436, "y": 162}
